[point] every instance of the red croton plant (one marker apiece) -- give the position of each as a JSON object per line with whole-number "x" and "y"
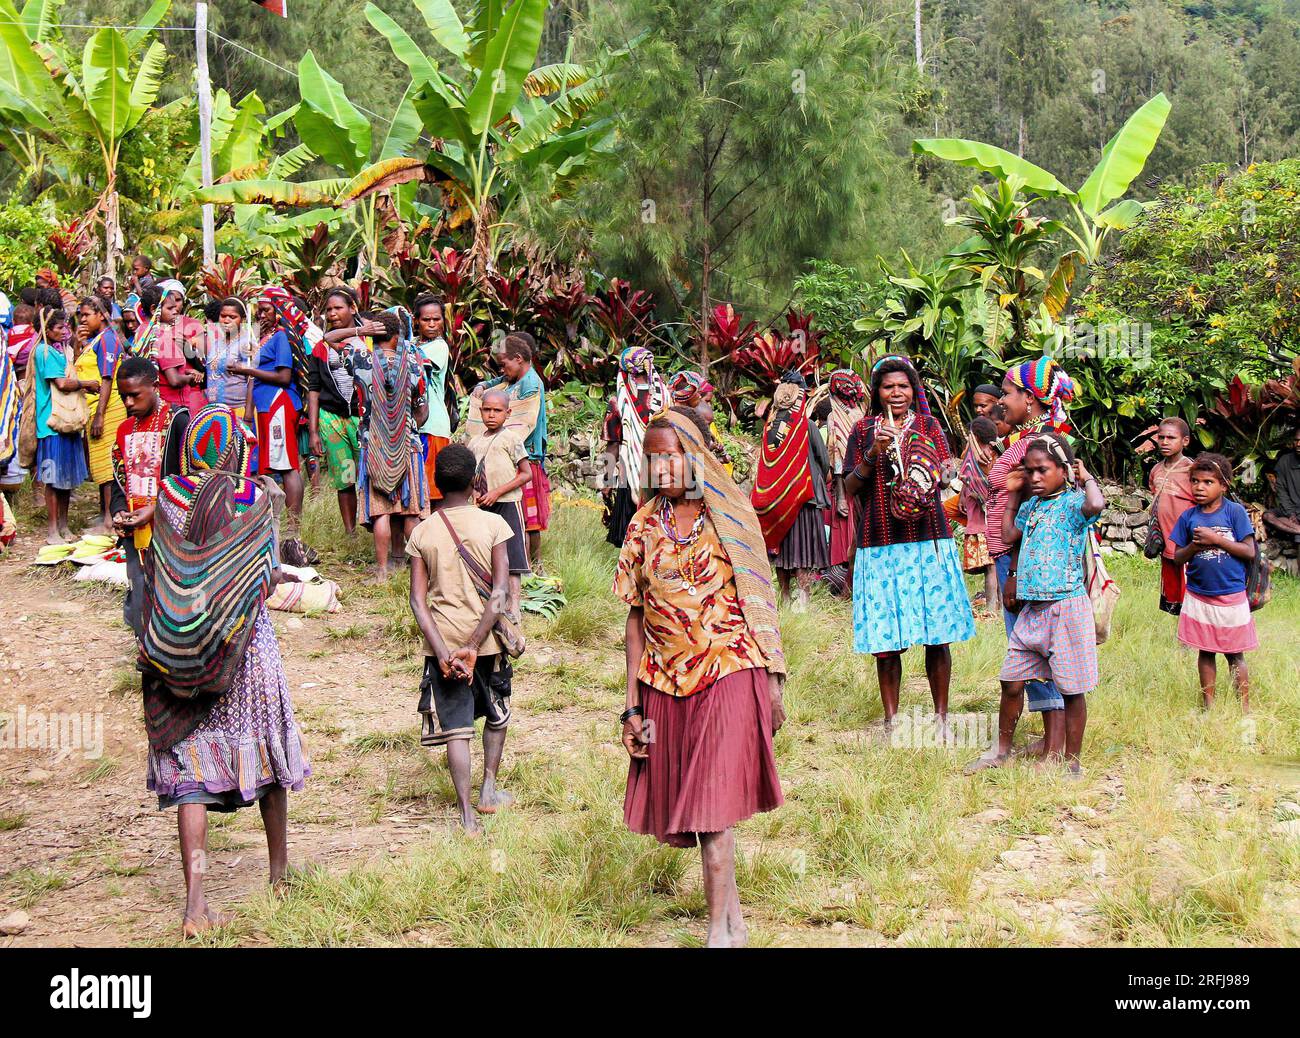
{"x": 771, "y": 353}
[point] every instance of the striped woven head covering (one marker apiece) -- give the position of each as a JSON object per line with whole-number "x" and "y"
{"x": 739, "y": 533}
{"x": 685, "y": 385}
{"x": 922, "y": 402}
{"x": 636, "y": 360}
{"x": 215, "y": 442}
{"x": 848, "y": 395}
{"x": 848, "y": 386}
{"x": 1051, "y": 386}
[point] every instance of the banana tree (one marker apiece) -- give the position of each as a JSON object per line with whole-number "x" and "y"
{"x": 103, "y": 95}
{"x": 332, "y": 129}
{"x": 1122, "y": 159}
{"x": 502, "y": 120}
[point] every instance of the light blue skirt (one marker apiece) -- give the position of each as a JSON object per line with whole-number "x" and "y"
{"x": 909, "y": 594}
{"x": 61, "y": 461}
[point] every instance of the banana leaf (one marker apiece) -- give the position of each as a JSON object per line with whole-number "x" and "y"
{"x": 992, "y": 160}
{"x": 508, "y": 60}
{"x": 408, "y": 52}
{"x": 1124, "y": 156}
{"x": 551, "y": 79}
{"x": 106, "y": 88}
{"x": 327, "y": 121}
{"x": 380, "y": 176}
{"x": 444, "y": 25}
{"x": 274, "y": 192}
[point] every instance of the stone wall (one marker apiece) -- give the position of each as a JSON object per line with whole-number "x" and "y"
{"x": 1123, "y": 527}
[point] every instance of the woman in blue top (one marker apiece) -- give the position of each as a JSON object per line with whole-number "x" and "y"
{"x": 1216, "y": 542}
{"x": 277, "y": 402}
{"x": 1054, "y": 635}
{"x": 60, "y": 456}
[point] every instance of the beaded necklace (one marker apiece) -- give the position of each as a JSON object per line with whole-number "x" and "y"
{"x": 689, "y": 563}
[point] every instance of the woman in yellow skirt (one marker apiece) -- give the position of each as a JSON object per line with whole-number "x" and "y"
{"x": 98, "y": 351}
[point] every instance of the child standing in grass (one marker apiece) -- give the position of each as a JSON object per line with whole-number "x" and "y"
{"x": 1216, "y": 542}
{"x": 502, "y": 470}
{"x": 1054, "y": 636}
{"x": 466, "y": 672}
{"x": 1170, "y": 482}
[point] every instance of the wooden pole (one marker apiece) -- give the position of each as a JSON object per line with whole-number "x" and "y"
{"x": 205, "y": 128}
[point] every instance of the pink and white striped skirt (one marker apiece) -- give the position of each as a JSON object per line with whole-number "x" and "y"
{"x": 1217, "y": 623}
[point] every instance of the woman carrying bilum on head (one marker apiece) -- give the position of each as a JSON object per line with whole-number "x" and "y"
{"x": 704, "y": 660}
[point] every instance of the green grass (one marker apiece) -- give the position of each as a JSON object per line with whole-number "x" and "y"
{"x": 1167, "y": 840}
{"x": 29, "y": 886}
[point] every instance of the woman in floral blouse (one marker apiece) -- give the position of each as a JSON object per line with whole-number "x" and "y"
{"x": 704, "y": 661}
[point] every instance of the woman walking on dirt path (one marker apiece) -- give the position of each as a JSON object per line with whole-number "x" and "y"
{"x": 704, "y": 661}
{"x": 222, "y": 733}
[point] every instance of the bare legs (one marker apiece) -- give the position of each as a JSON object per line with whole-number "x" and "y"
{"x": 293, "y": 490}
{"x": 192, "y": 821}
{"x": 348, "y": 510}
{"x": 889, "y": 675}
{"x": 938, "y": 672}
{"x": 458, "y": 762}
{"x": 192, "y": 824}
{"x": 802, "y": 578}
{"x": 1207, "y": 669}
{"x": 726, "y": 925}
{"x": 383, "y": 542}
{"x": 992, "y": 595}
{"x": 490, "y": 798}
{"x": 105, "y": 522}
{"x": 274, "y": 806}
{"x": 56, "y": 513}
{"x": 535, "y": 550}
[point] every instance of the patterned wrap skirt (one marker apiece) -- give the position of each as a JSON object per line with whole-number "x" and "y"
{"x": 411, "y": 499}
{"x": 537, "y": 499}
{"x": 711, "y": 763}
{"x": 909, "y": 594}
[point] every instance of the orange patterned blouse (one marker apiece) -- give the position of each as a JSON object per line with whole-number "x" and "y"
{"x": 691, "y": 641}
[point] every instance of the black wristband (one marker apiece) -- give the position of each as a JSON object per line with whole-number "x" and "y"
{"x": 631, "y": 711}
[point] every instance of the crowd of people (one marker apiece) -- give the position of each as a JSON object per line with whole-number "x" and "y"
{"x": 201, "y": 435}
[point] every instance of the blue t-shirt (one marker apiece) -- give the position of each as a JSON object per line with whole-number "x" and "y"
{"x": 1054, "y": 537}
{"x": 1212, "y": 571}
{"x": 50, "y": 364}
{"x": 275, "y": 353}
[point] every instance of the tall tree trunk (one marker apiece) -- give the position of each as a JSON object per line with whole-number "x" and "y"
{"x": 1020, "y": 143}
{"x": 920, "y": 57}
{"x": 706, "y": 256}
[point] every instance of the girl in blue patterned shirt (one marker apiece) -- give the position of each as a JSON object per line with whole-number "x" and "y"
{"x": 1054, "y": 636}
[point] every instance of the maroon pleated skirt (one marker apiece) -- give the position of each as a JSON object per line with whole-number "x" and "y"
{"x": 710, "y": 764}
{"x": 844, "y": 531}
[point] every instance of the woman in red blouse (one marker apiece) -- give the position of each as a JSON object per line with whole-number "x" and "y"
{"x": 908, "y": 587}
{"x": 704, "y": 661}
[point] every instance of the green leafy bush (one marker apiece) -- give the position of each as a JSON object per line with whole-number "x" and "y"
{"x": 24, "y": 244}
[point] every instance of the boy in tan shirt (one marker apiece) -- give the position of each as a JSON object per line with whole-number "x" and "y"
{"x": 466, "y": 673}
